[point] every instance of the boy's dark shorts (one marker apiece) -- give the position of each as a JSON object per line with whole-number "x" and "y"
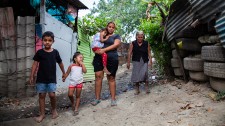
{"x": 112, "y": 64}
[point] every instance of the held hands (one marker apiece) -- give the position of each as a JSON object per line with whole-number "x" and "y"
{"x": 64, "y": 77}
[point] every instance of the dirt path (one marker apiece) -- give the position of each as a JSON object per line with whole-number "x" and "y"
{"x": 169, "y": 104}
{"x": 166, "y": 105}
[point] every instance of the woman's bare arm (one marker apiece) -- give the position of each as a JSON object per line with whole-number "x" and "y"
{"x": 116, "y": 44}
{"x": 129, "y": 55}
{"x": 149, "y": 55}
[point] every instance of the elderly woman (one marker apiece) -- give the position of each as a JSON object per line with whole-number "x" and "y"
{"x": 141, "y": 54}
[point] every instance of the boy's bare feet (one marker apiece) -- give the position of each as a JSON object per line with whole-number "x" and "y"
{"x": 106, "y": 71}
{"x": 54, "y": 114}
{"x": 147, "y": 91}
{"x": 39, "y": 118}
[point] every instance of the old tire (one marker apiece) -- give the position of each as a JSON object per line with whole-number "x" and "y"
{"x": 193, "y": 64}
{"x": 182, "y": 53}
{"x": 217, "y": 84}
{"x": 209, "y": 39}
{"x": 213, "y": 53}
{"x": 198, "y": 76}
{"x": 175, "y": 62}
{"x": 177, "y": 71}
{"x": 191, "y": 44}
{"x": 214, "y": 69}
{"x": 192, "y": 32}
{"x": 172, "y": 45}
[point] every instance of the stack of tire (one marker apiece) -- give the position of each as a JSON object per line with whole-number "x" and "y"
{"x": 190, "y": 45}
{"x": 194, "y": 65}
{"x": 214, "y": 66}
{"x": 176, "y": 64}
{"x": 175, "y": 61}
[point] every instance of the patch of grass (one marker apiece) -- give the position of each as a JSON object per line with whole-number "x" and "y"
{"x": 220, "y": 95}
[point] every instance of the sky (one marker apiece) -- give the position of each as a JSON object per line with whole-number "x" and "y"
{"x": 89, "y": 4}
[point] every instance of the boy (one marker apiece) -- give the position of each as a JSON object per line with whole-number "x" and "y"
{"x": 46, "y": 75}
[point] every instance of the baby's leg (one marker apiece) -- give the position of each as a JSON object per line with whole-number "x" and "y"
{"x": 104, "y": 61}
{"x": 95, "y": 49}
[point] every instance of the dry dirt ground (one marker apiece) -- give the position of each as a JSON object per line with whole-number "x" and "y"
{"x": 169, "y": 104}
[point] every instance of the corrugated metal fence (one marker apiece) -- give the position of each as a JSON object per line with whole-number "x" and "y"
{"x": 206, "y": 10}
{"x": 220, "y": 28}
{"x": 179, "y": 18}
{"x": 84, "y": 47}
{"x": 184, "y": 12}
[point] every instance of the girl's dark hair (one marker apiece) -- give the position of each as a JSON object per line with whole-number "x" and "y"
{"x": 104, "y": 29}
{"x": 48, "y": 34}
{"x": 75, "y": 55}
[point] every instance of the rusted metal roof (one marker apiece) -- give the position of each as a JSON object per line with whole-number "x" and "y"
{"x": 206, "y": 10}
{"x": 184, "y": 12}
{"x": 179, "y": 18}
{"x": 220, "y": 28}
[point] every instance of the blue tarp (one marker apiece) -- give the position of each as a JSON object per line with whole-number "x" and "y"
{"x": 35, "y": 3}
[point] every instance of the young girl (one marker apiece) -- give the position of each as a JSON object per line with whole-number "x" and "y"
{"x": 76, "y": 71}
{"x": 98, "y": 42}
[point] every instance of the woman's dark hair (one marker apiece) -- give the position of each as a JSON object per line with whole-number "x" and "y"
{"x": 75, "y": 55}
{"x": 111, "y": 22}
{"x": 48, "y": 34}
